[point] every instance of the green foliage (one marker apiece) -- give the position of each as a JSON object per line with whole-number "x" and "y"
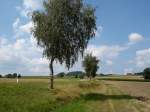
{"x": 139, "y": 74}
{"x": 146, "y": 73}
{"x": 63, "y": 29}
{"x": 0, "y": 76}
{"x": 101, "y": 74}
{"x": 62, "y": 74}
{"x": 19, "y": 75}
{"x": 75, "y": 74}
{"x": 14, "y": 75}
{"x": 90, "y": 65}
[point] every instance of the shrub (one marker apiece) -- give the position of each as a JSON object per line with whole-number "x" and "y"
{"x": 62, "y": 74}
{"x": 0, "y": 76}
{"x": 19, "y": 76}
{"x": 14, "y": 75}
{"x": 81, "y": 76}
{"x": 76, "y": 75}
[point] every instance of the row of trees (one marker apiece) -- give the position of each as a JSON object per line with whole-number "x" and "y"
{"x": 90, "y": 64}
{"x": 74, "y": 74}
{"x": 14, "y": 75}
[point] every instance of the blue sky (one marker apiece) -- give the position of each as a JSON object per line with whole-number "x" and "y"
{"x": 121, "y": 42}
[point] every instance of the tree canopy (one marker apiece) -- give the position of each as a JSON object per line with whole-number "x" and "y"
{"x": 90, "y": 64}
{"x": 63, "y": 29}
{"x": 146, "y": 73}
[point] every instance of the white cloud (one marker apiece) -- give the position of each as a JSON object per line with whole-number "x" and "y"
{"x": 108, "y": 52}
{"x": 19, "y": 44}
{"x": 109, "y": 62}
{"x": 143, "y": 58}
{"x": 16, "y": 23}
{"x": 3, "y": 41}
{"x": 29, "y": 6}
{"x": 26, "y": 28}
{"x": 32, "y": 4}
{"x": 21, "y": 29}
{"x": 135, "y": 37}
{"x": 22, "y": 56}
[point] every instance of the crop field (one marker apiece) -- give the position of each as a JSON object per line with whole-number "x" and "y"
{"x": 133, "y": 88}
{"x": 73, "y": 95}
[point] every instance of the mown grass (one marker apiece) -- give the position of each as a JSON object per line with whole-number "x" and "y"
{"x": 69, "y": 95}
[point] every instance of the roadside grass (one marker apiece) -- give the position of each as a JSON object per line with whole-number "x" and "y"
{"x": 70, "y": 95}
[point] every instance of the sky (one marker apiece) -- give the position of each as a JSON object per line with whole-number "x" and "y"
{"x": 121, "y": 41}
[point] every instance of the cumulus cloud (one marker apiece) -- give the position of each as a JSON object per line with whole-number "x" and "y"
{"x": 29, "y": 6}
{"x": 143, "y": 58}
{"x": 135, "y": 37}
{"x": 22, "y": 56}
{"x": 16, "y": 23}
{"x": 21, "y": 29}
{"x": 105, "y": 51}
{"x": 109, "y": 62}
{"x": 3, "y": 41}
{"x": 26, "y": 28}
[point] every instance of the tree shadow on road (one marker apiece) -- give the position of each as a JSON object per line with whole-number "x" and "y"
{"x": 102, "y": 97}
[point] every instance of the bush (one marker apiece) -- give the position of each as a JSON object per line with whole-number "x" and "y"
{"x": 146, "y": 73}
{"x": 76, "y": 76}
{"x": 19, "y": 76}
{"x": 101, "y": 74}
{"x": 0, "y": 76}
{"x": 14, "y": 75}
{"x": 62, "y": 74}
{"x": 81, "y": 76}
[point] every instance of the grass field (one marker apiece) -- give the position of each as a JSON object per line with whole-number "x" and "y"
{"x": 72, "y": 95}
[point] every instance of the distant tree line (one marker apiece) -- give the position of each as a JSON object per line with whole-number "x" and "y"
{"x": 145, "y": 73}
{"x": 14, "y": 75}
{"x": 77, "y": 74}
{"x": 74, "y": 74}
